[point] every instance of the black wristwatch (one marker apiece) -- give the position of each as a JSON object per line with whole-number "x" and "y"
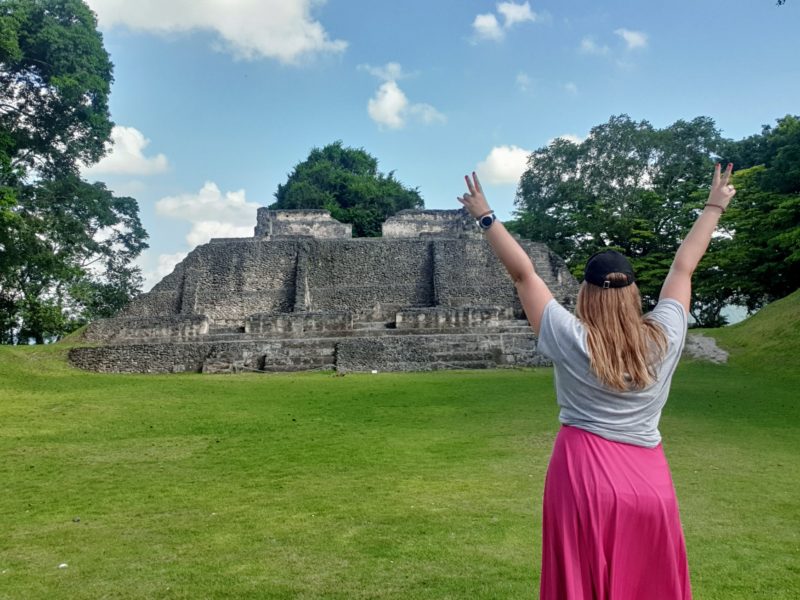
{"x": 486, "y": 221}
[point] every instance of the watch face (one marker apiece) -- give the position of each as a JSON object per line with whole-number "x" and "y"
{"x": 487, "y": 221}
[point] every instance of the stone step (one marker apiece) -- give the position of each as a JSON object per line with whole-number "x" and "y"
{"x": 509, "y": 327}
{"x": 363, "y": 352}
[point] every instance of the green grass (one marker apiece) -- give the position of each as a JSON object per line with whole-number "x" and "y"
{"x": 768, "y": 340}
{"x": 365, "y": 486}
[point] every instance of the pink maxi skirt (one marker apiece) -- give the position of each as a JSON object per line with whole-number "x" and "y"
{"x": 611, "y": 528}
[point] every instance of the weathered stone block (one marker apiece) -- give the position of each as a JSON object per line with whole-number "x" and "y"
{"x": 293, "y": 223}
{"x": 296, "y": 324}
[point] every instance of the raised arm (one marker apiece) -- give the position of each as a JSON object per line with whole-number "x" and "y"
{"x": 533, "y": 291}
{"x": 678, "y": 284}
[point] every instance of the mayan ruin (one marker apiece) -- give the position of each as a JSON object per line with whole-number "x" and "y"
{"x": 303, "y": 294}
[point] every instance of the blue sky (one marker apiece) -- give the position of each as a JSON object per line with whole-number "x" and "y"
{"x": 216, "y": 100}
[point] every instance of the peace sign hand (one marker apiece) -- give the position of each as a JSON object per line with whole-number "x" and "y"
{"x": 474, "y": 200}
{"x": 721, "y": 191}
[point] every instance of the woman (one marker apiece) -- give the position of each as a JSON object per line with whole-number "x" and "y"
{"x": 611, "y": 528}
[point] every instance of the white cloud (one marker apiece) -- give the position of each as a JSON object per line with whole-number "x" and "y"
{"x": 516, "y": 13}
{"x": 390, "y": 107}
{"x": 427, "y": 114}
{"x": 571, "y": 88}
{"x": 167, "y": 262}
{"x": 504, "y": 165}
{"x": 570, "y": 137}
{"x": 203, "y": 231}
{"x": 487, "y": 27}
{"x": 211, "y": 213}
{"x": 125, "y": 155}
{"x": 249, "y": 29}
{"x": 391, "y": 71}
{"x": 633, "y": 39}
{"x": 165, "y": 265}
{"x": 589, "y": 46}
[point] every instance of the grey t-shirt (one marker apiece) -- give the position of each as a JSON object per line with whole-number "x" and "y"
{"x": 631, "y": 416}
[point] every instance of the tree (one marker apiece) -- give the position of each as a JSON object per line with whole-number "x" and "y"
{"x": 762, "y": 256}
{"x": 55, "y": 78}
{"x": 66, "y": 246}
{"x": 346, "y": 182}
{"x": 628, "y": 186}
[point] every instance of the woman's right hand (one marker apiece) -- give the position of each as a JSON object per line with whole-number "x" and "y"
{"x": 721, "y": 190}
{"x": 474, "y": 200}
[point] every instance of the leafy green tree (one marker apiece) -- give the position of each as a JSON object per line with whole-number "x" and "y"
{"x": 628, "y": 186}
{"x": 55, "y": 78}
{"x": 762, "y": 256}
{"x": 776, "y": 148}
{"x": 66, "y": 246}
{"x": 70, "y": 259}
{"x": 346, "y": 182}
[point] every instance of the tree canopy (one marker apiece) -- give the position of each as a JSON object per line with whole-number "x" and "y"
{"x": 346, "y": 182}
{"x": 762, "y": 253}
{"x": 628, "y": 186}
{"x": 55, "y": 77}
{"x": 66, "y": 246}
{"x": 638, "y": 189}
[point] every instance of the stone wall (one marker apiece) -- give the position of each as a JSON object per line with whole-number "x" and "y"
{"x": 371, "y": 277}
{"x": 439, "y": 317}
{"x": 297, "y": 324}
{"x": 381, "y": 352}
{"x": 178, "y": 327}
{"x": 293, "y": 223}
{"x": 235, "y": 280}
{"x": 423, "y": 223}
{"x": 436, "y": 352}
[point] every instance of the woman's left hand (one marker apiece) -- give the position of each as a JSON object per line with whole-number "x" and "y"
{"x": 474, "y": 200}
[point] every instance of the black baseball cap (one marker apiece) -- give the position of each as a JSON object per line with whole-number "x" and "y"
{"x": 601, "y": 264}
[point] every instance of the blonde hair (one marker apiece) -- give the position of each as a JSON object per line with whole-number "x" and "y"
{"x": 624, "y": 347}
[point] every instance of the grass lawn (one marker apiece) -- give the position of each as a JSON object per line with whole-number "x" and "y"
{"x": 364, "y": 486}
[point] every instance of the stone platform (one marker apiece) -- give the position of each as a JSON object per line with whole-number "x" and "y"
{"x": 302, "y": 294}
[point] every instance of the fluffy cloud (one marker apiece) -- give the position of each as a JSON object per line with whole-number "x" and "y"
{"x": 391, "y": 71}
{"x": 165, "y": 264}
{"x": 504, "y": 165}
{"x": 125, "y": 155}
{"x": 633, "y": 39}
{"x": 570, "y": 137}
{"x": 515, "y": 13}
{"x": 571, "y": 88}
{"x": 211, "y": 213}
{"x": 249, "y": 29}
{"x": 426, "y": 113}
{"x": 203, "y": 231}
{"x": 487, "y": 27}
{"x": 390, "y": 107}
